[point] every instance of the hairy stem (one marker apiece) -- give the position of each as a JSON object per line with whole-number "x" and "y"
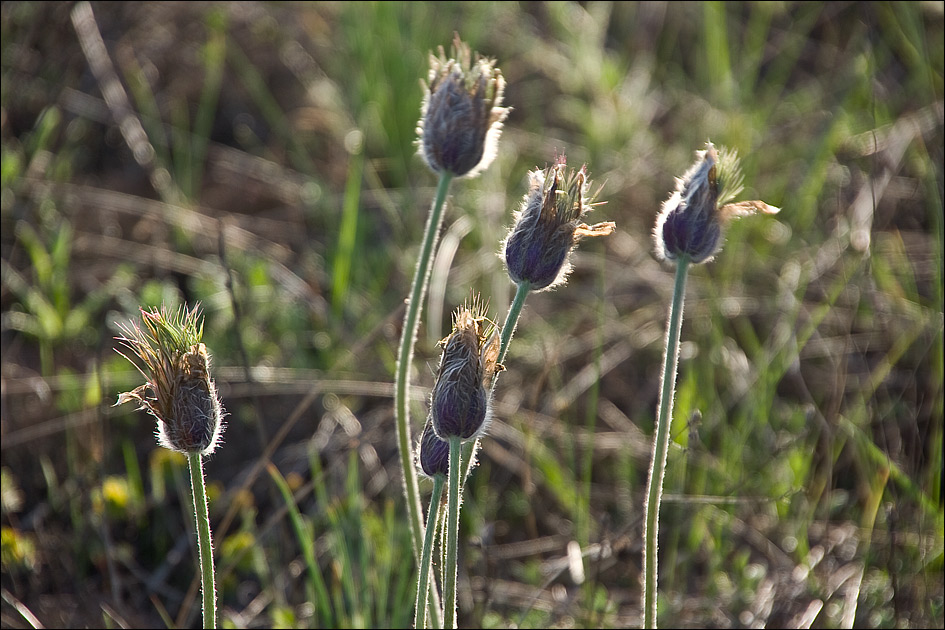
{"x": 511, "y": 320}
{"x": 452, "y": 536}
{"x": 404, "y": 361}
{"x": 508, "y": 329}
{"x": 204, "y": 542}
{"x": 654, "y": 489}
{"x": 426, "y": 558}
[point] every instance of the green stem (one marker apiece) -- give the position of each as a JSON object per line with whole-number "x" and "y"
{"x": 452, "y": 534}
{"x": 654, "y": 489}
{"x": 508, "y": 329}
{"x": 426, "y": 558}
{"x": 203, "y": 540}
{"x": 511, "y": 320}
{"x": 404, "y": 361}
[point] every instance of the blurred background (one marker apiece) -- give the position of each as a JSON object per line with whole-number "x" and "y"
{"x": 259, "y": 159}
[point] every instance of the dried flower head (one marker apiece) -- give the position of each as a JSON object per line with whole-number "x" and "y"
{"x": 433, "y": 454}
{"x": 178, "y": 390}
{"x": 548, "y": 226}
{"x": 692, "y": 219}
{"x": 461, "y": 116}
{"x": 461, "y": 400}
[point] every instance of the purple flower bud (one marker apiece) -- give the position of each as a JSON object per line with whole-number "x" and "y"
{"x": 461, "y": 116}
{"x": 434, "y": 453}
{"x": 691, "y": 222}
{"x": 548, "y": 226}
{"x": 461, "y": 400}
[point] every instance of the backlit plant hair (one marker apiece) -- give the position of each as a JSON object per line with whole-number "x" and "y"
{"x": 547, "y": 227}
{"x": 458, "y": 132}
{"x": 689, "y": 229}
{"x": 536, "y": 253}
{"x": 460, "y": 405}
{"x": 433, "y": 460}
{"x": 178, "y": 390}
{"x": 460, "y": 410}
{"x": 691, "y": 222}
{"x": 180, "y": 394}
{"x": 461, "y": 115}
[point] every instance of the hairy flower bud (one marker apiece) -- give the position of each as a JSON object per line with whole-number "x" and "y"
{"x": 461, "y": 116}
{"x": 433, "y": 453}
{"x": 691, "y": 221}
{"x": 461, "y": 400}
{"x": 178, "y": 390}
{"x": 548, "y": 226}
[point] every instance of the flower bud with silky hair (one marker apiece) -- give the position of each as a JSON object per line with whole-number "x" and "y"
{"x": 689, "y": 230}
{"x": 691, "y": 222}
{"x": 178, "y": 390}
{"x": 461, "y": 401}
{"x": 179, "y": 393}
{"x": 461, "y": 116}
{"x": 548, "y": 226}
{"x": 433, "y": 456}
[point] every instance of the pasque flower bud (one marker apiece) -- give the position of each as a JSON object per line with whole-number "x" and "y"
{"x": 548, "y": 226}
{"x": 461, "y": 117}
{"x": 433, "y": 453}
{"x": 178, "y": 390}
{"x": 461, "y": 400}
{"x": 691, "y": 221}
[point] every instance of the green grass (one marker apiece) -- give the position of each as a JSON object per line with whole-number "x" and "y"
{"x": 815, "y": 357}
